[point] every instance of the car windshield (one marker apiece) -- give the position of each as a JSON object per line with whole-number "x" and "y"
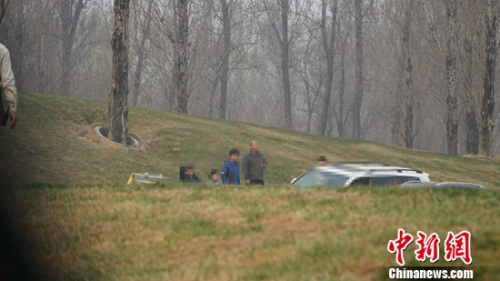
{"x": 317, "y": 178}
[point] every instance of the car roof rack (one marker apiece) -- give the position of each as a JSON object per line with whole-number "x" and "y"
{"x": 399, "y": 170}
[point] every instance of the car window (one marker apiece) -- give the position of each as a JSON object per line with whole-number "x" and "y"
{"x": 317, "y": 178}
{"x": 392, "y": 180}
{"x": 383, "y": 180}
{"x": 361, "y": 181}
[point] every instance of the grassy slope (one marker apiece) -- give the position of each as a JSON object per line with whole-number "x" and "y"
{"x": 112, "y": 231}
{"x": 181, "y": 232}
{"x": 46, "y": 147}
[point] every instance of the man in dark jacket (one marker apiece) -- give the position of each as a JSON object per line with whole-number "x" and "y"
{"x": 230, "y": 169}
{"x": 254, "y": 164}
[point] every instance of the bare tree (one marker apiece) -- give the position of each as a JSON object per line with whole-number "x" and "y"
{"x": 310, "y": 73}
{"x": 283, "y": 39}
{"x": 328, "y": 40}
{"x": 340, "y": 119}
{"x": 70, "y": 11}
{"x": 488, "y": 98}
{"x": 450, "y": 55}
{"x": 226, "y": 52}
{"x": 451, "y": 98}
{"x": 344, "y": 35}
{"x": 141, "y": 53}
{"x": 406, "y": 76}
{"x": 427, "y": 68}
{"x": 3, "y": 9}
{"x": 181, "y": 54}
{"x": 117, "y": 108}
{"x": 470, "y": 31}
{"x": 358, "y": 92}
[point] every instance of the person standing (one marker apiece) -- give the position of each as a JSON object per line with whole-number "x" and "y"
{"x": 230, "y": 169}
{"x": 8, "y": 89}
{"x": 254, "y": 165}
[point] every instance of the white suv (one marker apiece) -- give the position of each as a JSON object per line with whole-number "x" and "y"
{"x": 353, "y": 173}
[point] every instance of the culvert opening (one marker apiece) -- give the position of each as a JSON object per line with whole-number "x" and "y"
{"x": 104, "y": 132}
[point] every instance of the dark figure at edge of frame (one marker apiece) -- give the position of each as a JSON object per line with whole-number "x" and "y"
{"x": 8, "y": 100}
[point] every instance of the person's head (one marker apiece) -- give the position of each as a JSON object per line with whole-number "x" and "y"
{"x": 321, "y": 161}
{"x": 233, "y": 155}
{"x": 254, "y": 146}
{"x": 214, "y": 175}
{"x": 189, "y": 170}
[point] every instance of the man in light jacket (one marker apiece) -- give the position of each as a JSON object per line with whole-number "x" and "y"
{"x": 8, "y": 89}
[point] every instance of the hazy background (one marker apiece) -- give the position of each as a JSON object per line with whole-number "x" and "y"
{"x": 63, "y": 47}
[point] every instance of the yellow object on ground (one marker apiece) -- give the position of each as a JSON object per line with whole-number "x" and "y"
{"x": 131, "y": 180}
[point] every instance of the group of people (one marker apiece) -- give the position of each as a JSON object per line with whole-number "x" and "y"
{"x": 253, "y": 167}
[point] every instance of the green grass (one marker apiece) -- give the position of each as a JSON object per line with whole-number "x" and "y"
{"x": 183, "y": 232}
{"x": 80, "y": 221}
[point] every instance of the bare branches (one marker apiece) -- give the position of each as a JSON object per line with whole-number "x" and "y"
{"x": 432, "y": 27}
{"x": 3, "y": 9}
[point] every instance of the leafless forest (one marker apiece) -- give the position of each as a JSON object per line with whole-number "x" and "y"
{"x": 411, "y": 73}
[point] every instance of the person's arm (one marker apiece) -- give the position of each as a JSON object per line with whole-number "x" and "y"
{"x": 8, "y": 82}
{"x": 237, "y": 174}
{"x": 264, "y": 162}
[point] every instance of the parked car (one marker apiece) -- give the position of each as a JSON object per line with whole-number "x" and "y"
{"x": 359, "y": 173}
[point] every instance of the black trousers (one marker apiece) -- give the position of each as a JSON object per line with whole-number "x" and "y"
{"x": 257, "y": 182}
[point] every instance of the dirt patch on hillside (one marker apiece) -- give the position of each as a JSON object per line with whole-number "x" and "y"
{"x": 96, "y": 133}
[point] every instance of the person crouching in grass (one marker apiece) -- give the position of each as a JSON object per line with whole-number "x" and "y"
{"x": 214, "y": 178}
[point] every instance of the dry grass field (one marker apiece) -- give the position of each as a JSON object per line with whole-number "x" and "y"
{"x": 77, "y": 219}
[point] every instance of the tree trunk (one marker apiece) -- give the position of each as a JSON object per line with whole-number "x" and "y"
{"x": 285, "y": 65}
{"x": 409, "y": 132}
{"x": 488, "y": 98}
{"x": 214, "y": 83}
{"x": 451, "y": 98}
{"x": 408, "y": 70}
{"x": 182, "y": 47}
{"x": 141, "y": 55}
{"x": 358, "y": 91}
{"x": 471, "y": 124}
{"x": 117, "y": 108}
{"x": 340, "y": 116}
{"x": 3, "y": 9}
{"x": 69, "y": 23}
{"x": 224, "y": 79}
{"x": 19, "y": 40}
{"x": 328, "y": 41}
{"x": 40, "y": 64}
